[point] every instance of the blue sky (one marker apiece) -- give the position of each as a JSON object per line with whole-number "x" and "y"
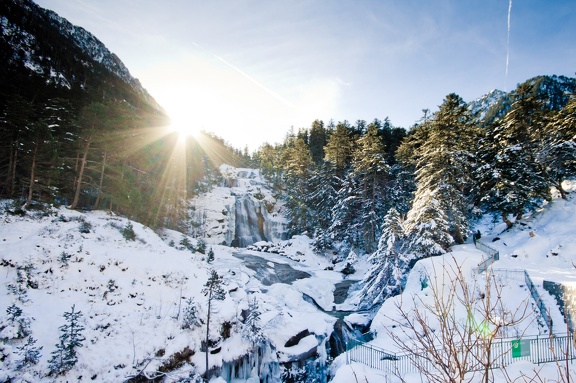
{"x": 249, "y": 70}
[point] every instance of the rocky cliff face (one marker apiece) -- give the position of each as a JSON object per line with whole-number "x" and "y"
{"x": 240, "y": 212}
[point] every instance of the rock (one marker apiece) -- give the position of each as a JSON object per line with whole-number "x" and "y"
{"x": 293, "y": 341}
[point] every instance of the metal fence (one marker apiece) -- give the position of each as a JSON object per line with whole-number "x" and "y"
{"x": 523, "y": 276}
{"x": 493, "y": 255}
{"x": 503, "y": 352}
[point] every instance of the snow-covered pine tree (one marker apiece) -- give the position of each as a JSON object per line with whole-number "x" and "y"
{"x": 400, "y": 188}
{"x": 210, "y": 255}
{"x": 213, "y": 291}
{"x": 439, "y": 214}
{"x": 321, "y": 200}
{"x": 371, "y": 170}
{"x": 252, "y": 329}
{"x": 190, "y": 318}
{"x": 426, "y": 227}
{"x": 346, "y": 223}
{"x": 15, "y": 325}
{"x": 20, "y": 286}
{"x": 71, "y": 338}
{"x": 559, "y": 153}
{"x": 29, "y": 354}
{"x": 510, "y": 177}
{"x": 385, "y": 275}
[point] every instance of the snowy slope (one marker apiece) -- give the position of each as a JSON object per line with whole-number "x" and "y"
{"x": 543, "y": 244}
{"x": 130, "y": 294}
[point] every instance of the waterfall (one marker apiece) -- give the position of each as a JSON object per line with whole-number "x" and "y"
{"x": 239, "y": 212}
{"x": 249, "y": 226}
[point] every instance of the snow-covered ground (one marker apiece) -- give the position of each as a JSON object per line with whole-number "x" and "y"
{"x": 133, "y": 293}
{"x": 543, "y": 244}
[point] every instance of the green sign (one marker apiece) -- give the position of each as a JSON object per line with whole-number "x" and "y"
{"x": 520, "y": 348}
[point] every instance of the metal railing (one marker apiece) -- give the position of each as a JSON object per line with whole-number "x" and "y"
{"x": 503, "y": 352}
{"x": 493, "y": 255}
{"x": 523, "y": 276}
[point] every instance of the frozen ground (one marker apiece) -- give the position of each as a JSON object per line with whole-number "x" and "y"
{"x": 543, "y": 244}
{"x": 132, "y": 294}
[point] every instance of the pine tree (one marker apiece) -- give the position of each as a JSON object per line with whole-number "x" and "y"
{"x": 298, "y": 165}
{"x": 427, "y": 227}
{"x": 317, "y": 140}
{"x": 338, "y": 150}
{"x": 559, "y": 152}
{"x": 71, "y": 338}
{"x": 321, "y": 200}
{"x": 346, "y": 222}
{"x": 15, "y": 325}
{"x": 213, "y": 291}
{"x": 252, "y": 329}
{"x": 384, "y": 277}
{"x": 92, "y": 119}
{"x": 201, "y": 246}
{"x": 443, "y": 164}
{"x": 20, "y": 286}
{"x": 190, "y": 318}
{"x": 510, "y": 177}
{"x": 29, "y": 353}
{"x": 371, "y": 170}
{"x": 210, "y": 257}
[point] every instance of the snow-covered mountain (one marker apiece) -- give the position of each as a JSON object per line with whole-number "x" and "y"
{"x": 554, "y": 91}
{"x": 480, "y": 106}
{"x": 38, "y": 43}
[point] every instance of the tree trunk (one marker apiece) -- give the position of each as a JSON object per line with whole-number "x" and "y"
{"x": 14, "y": 162}
{"x": 32, "y": 176}
{"x": 101, "y": 181}
{"x": 561, "y": 189}
{"x": 508, "y": 223}
{"x": 458, "y": 237}
{"x": 80, "y": 175}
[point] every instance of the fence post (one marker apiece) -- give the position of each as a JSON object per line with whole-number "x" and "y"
{"x": 538, "y": 349}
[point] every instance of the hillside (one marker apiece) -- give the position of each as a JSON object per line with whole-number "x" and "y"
{"x": 543, "y": 244}
{"x": 134, "y": 295}
{"x": 46, "y": 56}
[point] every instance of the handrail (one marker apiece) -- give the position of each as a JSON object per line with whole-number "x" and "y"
{"x": 493, "y": 255}
{"x": 536, "y": 296}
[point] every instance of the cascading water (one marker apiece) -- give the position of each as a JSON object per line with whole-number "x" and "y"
{"x": 240, "y": 211}
{"x": 249, "y": 221}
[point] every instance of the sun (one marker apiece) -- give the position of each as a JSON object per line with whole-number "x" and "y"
{"x": 185, "y": 127}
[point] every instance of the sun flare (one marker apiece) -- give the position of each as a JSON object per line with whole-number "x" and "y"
{"x": 185, "y": 127}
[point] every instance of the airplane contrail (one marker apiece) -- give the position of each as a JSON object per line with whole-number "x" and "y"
{"x": 508, "y": 46}
{"x": 247, "y": 76}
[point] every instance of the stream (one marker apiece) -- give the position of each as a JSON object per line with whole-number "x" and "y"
{"x": 269, "y": 272}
